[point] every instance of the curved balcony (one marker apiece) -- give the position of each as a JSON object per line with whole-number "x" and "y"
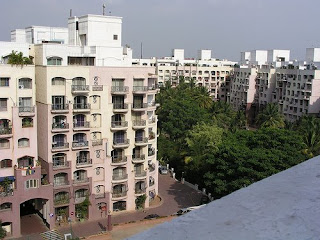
{"x": 60, "y": 127}
{"x": 83, "y": 162}
{"x": 120, "y": 107}
{"x": 119, "y": 178}
{"x": 139, "y": 107}
{"x": 119, "y": 195}
{"x": 141, "y": 141}
{"x": 119, "y": 90}
{"x": 138, "y": 124}
{"x": 119, "y": 125}
{"x": 140, "y": 89}
{"x": 59, "y": 147}
{"x": 81, "y": 107}
{"x": 80, "y": 89}
{"x": 80, "y": 145}
{"x": 81, "y": 126}
{"x": 121, "y": 143}
{"x": 5, "y": 132}
{"x": 140, "y": 175}
{"x": 139, "y": 191}
{"x": 117, "y": 161}
{"x": 138, "y": 158}
{"x": 81, "y": 181}
{"x": 59, "y": 108}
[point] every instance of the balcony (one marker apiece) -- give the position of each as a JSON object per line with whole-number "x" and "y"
{"x": 57, "y": 184}
{"x": 98, "y": 142}
{"x": 139, "y": 106}
{"x": 152, "y": 120}
{"x": 80, "y": 145}
{"x": 78, "y": 200}
{"x": 138, "y": 124}
{"x": 119, "y": 90}
{"x": 60, "y": 202}
{"x": 26, "y": 111}
{"x": 141, "y": 141}
{"x": 59, "y": 108}
{"x": 138, "y": 158}
{"x": 151, "y": 152}
{"x": 119, "y": 177}
{"x": 140, "y": 89}
{"x": 81, "y": 126}
{"x": 140, "y": 174}
{"x": 119, "y": 125}
{"x": 83, "y": 180}
{"x": 81, "y": 107}
{"x": 83, "y": 162}
{"x": 60, "y": 127}
{"x": 154, "y": 87}
{"x": 117, "y": 161}
{"x": 140, "y": 191}
{"x": 80, "y": 89}
{"x": 100, "y": 195}
{"x": 121, "y": 143}
{"x": 60, "y": 146}
{"x": 97, "y": 88}
{"x": 120, "y": 107}
{"x": 6, "y": 132}
{"x": 6, "y": 191}
{"x": 117, "y": 195}
{"x": 152, "y": 167}
{"x": 59, "y": 163}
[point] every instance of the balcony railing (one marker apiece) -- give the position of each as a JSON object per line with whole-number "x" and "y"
{"x": 78, "y": 200}
{"x": 139, "y": 190}
{"x": 119, "y": 124}
{"x": 59, "y": 162}
{"x": 60, "y": 183}
{"x": 141, "y": 174}
{"x": 152, "y": 120}
{"x": 83, "y": 161}
{"x": 60, "y": 145}
{"x": 59, "y": 107}
{"x": 5, "y": 131}
{"x": 100, "y": 195}
{"x": 119, "y": 89}
{"x": 75, "y": 88}
{"x": 97, "y": 142}
{"x": 138, "y": 157}
{"x": 6, "y": 192}
{"x": 152, "y": 168}
{"x": 140, "y": 105}
{"x": 81, "y": 125}
{"x": 119, "y": 194}
{"x": 81, "y": 180}
{"x": 153, "y": 87}
{"x": 139, "y": 123}
{"x": 26, "y": 110}
{"x": 140, "y": 89}
{"x": 80, "y": 144}
{"x": 119, "y": 159}
{"x": 140, "y": 140}
{"x": 120, "y": 106}
{"x": 60, "y": 126}
{"x": 151, "y": 151}
{"x": 61, "y": 201}
{"x": 119, "y": 177}
{"x": 81, "y": 106}
{"x": 121, "y": 142}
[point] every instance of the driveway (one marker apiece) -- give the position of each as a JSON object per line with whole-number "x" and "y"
{"x": 174, "y": 197}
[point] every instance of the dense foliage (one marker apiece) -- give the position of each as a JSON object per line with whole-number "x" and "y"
{"x": 3, "y": 232}
{"x": 210, "y": 143}
{"x": 16, "y": 58}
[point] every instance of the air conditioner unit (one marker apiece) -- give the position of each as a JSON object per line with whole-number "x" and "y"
{"x": 21, "y": 87}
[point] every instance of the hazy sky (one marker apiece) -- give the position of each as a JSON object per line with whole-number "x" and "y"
{"x": 227, "y": 27}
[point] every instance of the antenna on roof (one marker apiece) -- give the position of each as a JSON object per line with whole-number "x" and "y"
{"x": 103, "y": 9}
{"x": 70, "y": 12}
{"x": 141, "y": 50}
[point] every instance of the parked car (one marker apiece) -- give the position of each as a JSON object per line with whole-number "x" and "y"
{"x": 152, "y": 216}
{"x": 163, "y": 170}
{"x": 189, "y": 209}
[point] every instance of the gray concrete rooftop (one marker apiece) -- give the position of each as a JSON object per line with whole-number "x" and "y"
{"x": 284, "y": 206}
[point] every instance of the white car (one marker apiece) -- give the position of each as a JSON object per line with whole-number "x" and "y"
{"x": 163, "y": 170}
{"x": 189, "y": 209}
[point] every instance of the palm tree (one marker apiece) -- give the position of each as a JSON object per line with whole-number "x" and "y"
{"x": 202, "y": 97}
{"x": 310, "y": 128}
{"x": 16, "y": 58}
{"x": 270, "y": 117}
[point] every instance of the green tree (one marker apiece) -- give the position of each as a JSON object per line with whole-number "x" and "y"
{"x": 309, "y": 126}
{"x": 3, "y": 232}
{"x": 16, "y": 58}
{"x": 270, "y": 117}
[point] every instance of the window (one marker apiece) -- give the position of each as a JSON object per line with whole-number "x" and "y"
{"x": 23, "y": 142}
{"x": 32, "y": 183}
{"x": 25, "y": 83}
{"x": 3, "y": 104}
{"x": 5, "y": 206}
{"x": 4, "y": 143}
{"x": 4, "y": 82}
{"x": 115, "y": 37}
{"x": 54, "y": 61}
{"x": 58, "y": 81}
{"x": 6, "y": 163}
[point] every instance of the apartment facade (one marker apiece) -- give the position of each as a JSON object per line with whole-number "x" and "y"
{"x": 204, "y": 71}
{"x": 88, "y": 133}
